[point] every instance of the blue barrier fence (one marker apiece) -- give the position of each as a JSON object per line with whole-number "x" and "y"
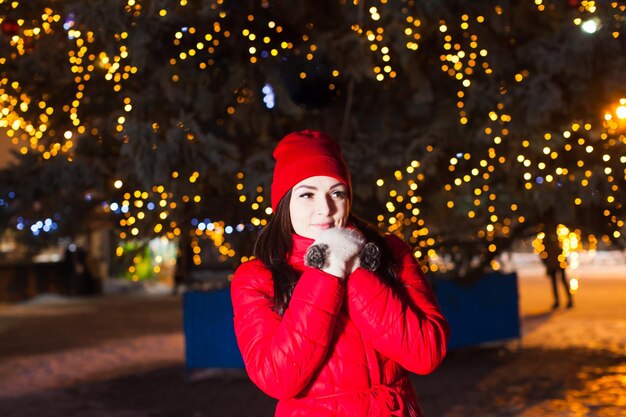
{"x": 209, "y": 334}
{"x": 487, "y": 311}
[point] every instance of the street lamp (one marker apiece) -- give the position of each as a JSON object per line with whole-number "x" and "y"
{"x": 591, "y": 26}
{"x": 615, "y": 119}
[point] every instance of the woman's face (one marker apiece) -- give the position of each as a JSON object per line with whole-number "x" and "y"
{"x": 317, "y": 204}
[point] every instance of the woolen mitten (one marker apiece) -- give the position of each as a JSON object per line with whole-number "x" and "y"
{"x": 336, "y": 251}
{"x": 369, "y": 258}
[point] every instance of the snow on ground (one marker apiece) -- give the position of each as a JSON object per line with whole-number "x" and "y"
{"x": 57, "y": 370}
{"x": 53, "y": 342}
{"x": 122, "y": 355}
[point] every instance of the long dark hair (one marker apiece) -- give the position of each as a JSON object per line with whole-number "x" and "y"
{"x": 275, "y": 242}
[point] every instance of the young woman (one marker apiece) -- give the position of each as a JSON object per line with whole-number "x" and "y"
{"x": 322, "y": 329}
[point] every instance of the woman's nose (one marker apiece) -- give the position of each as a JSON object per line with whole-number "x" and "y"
{"x": 325, "y": 206}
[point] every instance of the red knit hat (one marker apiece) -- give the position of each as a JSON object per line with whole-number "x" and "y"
{"x": 304, "y": 154}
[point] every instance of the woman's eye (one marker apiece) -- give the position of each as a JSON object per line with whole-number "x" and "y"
{"x": 306, "y": 195}
{"x": 339, "y": 194}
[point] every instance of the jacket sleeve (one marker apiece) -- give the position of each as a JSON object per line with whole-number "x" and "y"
{"x": 403, "y": 323}
{"x": 281, "y": 354}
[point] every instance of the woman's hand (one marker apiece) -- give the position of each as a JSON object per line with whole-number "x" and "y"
{"x": 336, "y": 251}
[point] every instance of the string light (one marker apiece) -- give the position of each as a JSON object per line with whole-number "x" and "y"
{"x": 564, "y": 157}
{"x": 461, "y": 60}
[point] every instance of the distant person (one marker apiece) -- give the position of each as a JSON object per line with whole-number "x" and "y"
{"x": 183, "y": 280}
{"x": 80, "y": 278}
{"x": 180, "y": 275}
{"x": 555, "y": 268}
{"x": 332, "y": 315}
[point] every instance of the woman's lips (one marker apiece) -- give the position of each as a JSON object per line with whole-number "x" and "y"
{"x": 323, "y": 225}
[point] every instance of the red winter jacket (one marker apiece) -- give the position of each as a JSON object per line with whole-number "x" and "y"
{"x": 342, "y": 348}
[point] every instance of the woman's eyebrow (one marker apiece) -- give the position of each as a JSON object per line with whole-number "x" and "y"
{"x": 310, "y": 187}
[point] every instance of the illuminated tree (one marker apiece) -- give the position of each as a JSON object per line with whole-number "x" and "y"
{"x": 534, "y": 146}
{"x": 468, "y": 125}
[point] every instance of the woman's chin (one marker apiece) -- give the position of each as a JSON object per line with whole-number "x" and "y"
{"x": 315, "y": 232}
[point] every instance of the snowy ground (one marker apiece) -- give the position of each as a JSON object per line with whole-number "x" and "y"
{"x": 122, "y": 355}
